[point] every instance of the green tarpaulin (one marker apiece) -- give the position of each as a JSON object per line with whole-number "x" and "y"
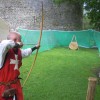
{"x": 54, "y": 38}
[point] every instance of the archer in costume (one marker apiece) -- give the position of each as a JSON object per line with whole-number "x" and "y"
{"x": 10, "y": 61}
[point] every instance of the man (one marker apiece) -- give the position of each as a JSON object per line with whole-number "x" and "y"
{"x": 10, "y": 61}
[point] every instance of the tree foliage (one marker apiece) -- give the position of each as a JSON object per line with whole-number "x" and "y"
{"x": 71, "y": 1}
{"x": 93, "y": 12}
{"x": 92, "y": 8}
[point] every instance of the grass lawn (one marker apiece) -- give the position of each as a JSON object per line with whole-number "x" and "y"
{"x": 60, "y": 74}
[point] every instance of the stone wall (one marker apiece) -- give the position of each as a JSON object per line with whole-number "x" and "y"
{"x": 17, "y": 13}
{"x": 27, "y": 14}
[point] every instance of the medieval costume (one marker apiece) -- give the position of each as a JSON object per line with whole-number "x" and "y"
{"x": 10, "y": 62}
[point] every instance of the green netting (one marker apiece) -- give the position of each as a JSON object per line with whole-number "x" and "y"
{"x": 97, "y": 39}
{"x": 54, "y": 38}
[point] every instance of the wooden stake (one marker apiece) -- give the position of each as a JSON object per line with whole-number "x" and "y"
{"x": 91, "y": 88}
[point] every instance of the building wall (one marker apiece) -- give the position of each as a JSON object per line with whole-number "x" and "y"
{"x": 27, "y": 14}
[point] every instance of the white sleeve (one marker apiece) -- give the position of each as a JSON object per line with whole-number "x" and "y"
{"x": 26, "y": 52}
{"x": 5, "y": 45}
{"x": 8, "y": 44}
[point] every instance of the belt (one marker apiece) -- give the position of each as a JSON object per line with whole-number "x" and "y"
{"x": 9, "y": 83}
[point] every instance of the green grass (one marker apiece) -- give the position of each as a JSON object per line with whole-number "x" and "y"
{"x": 60, "y": 74}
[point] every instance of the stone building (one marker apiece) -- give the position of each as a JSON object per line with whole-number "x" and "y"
{"x": 27, "y": 14}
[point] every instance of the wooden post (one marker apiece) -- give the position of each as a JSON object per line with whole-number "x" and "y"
{"x": 91, "y": 88}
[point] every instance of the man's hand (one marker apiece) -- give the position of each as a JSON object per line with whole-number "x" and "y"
{"x": 20, "y": 44}
{"x": 37, "y": 46}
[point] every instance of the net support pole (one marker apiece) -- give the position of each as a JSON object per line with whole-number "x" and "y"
{"x": 91, "y": 88}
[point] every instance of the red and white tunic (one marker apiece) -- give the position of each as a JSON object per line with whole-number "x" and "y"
{"x": 10, "y": 63}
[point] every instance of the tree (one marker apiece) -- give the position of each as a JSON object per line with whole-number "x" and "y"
{"x": 93, "y": 12}
{"x": 92, "y": 8}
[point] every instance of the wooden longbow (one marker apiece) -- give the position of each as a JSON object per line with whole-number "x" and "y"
{"x": 39, "y": 41}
